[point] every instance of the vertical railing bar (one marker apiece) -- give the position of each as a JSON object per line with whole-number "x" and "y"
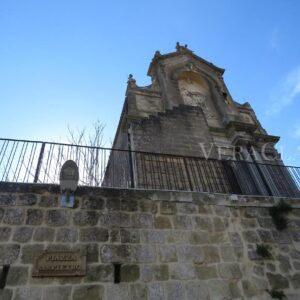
{"x": 22, "y": 161}
{"x": 31, "y": 158}
{"x": 39, "y": 164}
{"x": 12, "y": 159}
{"x": 188, "y": 174}
{"x": 57, "y": 159}
{"x": 46, "y": 166}
{"x": 19, "y": 160}
{"x": 174, "y": 173}
{"x": 2, "y": 149}
{"x": 50, "y": 162}
{"x": 7, "y": 163}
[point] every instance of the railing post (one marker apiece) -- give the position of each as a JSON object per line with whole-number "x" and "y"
{"x": 131, "y": 169}
{"x": 39, "y": 164}
{"x": 188, "y": 174}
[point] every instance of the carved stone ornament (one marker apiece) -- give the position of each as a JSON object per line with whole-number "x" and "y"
{"x": 196, "y": 99}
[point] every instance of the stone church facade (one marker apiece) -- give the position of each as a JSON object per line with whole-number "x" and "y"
{"x": 154, "y": 239}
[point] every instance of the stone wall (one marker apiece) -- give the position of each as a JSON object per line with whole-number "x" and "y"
{"x": 171, "y": 245}
{"x": 182, "y": 129}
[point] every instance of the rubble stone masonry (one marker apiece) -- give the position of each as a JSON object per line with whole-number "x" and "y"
{"x": 170, "y": 245}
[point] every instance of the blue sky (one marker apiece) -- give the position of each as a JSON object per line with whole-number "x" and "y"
{"x": 67, "y": 62}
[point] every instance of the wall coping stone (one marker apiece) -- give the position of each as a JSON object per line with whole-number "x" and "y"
{"x": 154, "y": 195}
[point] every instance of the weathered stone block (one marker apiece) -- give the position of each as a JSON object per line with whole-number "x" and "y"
{"x": 30, "y": 253}
{"x": 296, "y": 281}
{"x": 9, "y": 253}
{"x": 253, "y": 212}
{"x": 113, "y": 204}
{"x": 143, "y": 253}
{"x": 167, "y": 253}
{"x": 251, "y": 236}
{"x": 296, "y": 235}
{"x": 278, "y": 281}
{"x": 14, "y": 216}
{"x": 265, "y": 235}
{"x": 192, "y": 254}
{"x": 162, "y": 222}
{"x": 196, "y": 237}
{"x": 26, "y": 293}
{"x": 116, "y": 253}
{"x": 22, "y": 234}
{"x": 89, "y": 292}
{"x": 100, "y": 273}
{"x": 152, "y": 236}
{"x": 114, "y": 236}
{"x": 17, "y": 275}
{"x": 295, "y": 254}
{"x": 218, "y": 238}
{"x": 130, "y": 273}
{"x": 219, "y": 289}
{"x": 118, "y": 292}
{"x": 211, "y": 254}
{"x": 222, "y": 211}
{"x": 156, "y": 291}
{"x": 4, "y": 233}
{"x": 27, "y": 199}
{"x": 182, "y": 222}
{"x": 130, "y": 235}
{"x": 229, "y": 271}
{"x": 129, "y": 205}
{"x": 93, "y": 234}
{"x": 147, "y": 206}
{"x": 227, "y": 253}
{"x": 202, "y": 223}
{"x": 114, "y": 219}
{"x": 57, "y": 293}
{"x": 43, "y": 234}
{"x": 34, "y": 217}
{"x": 138, "y": 291}
{"x": 282, "y": 237}
{"x": 249, "y": 288}
{"x": 187, "y": 208}
{"x": 85, "y": 218}
{"x": 248, "y": 223}
{"x": 168, "y": 208}
{"x": 58, "y": 217}
{"x": 142, "y": 220}
{"x": 196, "y": 291}
{"x": 92, "y": 253}
{"x": 8, "y": 200}
{"x": 174, "y": 290}
{"x": 93, "y": 202}
{"x": 48, "y": 201}
{"x": 206, "y": 272}
{"x": 266, "y": 222}
{"x": 182, "y": 271}
{"x": 6, "y": 294}
{"x": 161, "y": 272}
{"x": 218, "y": 224}
{"x": 66, "y": 235}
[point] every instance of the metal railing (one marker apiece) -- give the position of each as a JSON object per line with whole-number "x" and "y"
{"x": 40, "y": 162}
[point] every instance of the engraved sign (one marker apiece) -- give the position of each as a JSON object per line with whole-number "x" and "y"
{"x": 60, "y": 263}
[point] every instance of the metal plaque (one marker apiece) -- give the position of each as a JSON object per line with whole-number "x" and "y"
{"x": 60, "y": 263}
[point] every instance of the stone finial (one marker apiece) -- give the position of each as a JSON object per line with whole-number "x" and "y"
{"x": 157, "y": 54}
{"x": 131, "y": 81}
{"x": 180, "y": 48}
